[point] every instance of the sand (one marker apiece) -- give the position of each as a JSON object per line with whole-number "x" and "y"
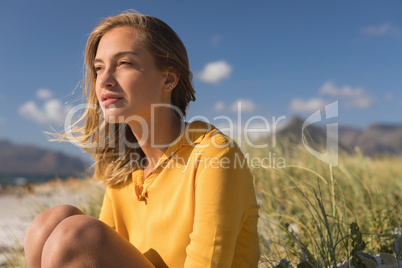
{"x": 20, "y": 204}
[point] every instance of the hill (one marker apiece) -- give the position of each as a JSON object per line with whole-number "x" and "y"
{"x": 380, "y": 139}
{"x": 27, "y": 160}
{"x": 376, "y": 140}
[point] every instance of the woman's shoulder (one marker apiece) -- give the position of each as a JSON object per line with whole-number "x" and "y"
{"x": 211, "y": 140}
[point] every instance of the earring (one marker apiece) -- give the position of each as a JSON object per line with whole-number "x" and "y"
{"x": 171, "y": 86}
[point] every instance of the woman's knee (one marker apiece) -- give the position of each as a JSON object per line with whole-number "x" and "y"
{"x": 83, "y": 241}
{"x": 77, "y": 238}
{"x": 77, "y": 230}
{"x": 51, "y": 218}
{"x": 44, "y": 223}
{"x": 41, "y": 228}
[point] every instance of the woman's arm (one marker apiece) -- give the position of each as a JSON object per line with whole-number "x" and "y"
{"x": 225, "y": 208}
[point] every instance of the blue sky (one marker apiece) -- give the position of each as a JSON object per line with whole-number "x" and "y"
{"x": 279, "y": 57}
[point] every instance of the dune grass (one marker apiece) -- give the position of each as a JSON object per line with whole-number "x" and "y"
{"x": 321, "y": 215}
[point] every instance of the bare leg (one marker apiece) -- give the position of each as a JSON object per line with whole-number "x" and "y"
{"x": 77, "y": 240}
{"x": 83, "y": 241}
{"x": 41, "y": 228}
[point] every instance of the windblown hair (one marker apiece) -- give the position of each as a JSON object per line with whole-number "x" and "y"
{"x": 113, "y": 145}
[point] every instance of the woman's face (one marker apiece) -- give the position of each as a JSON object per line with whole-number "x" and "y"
{"x": 128, "y": 81}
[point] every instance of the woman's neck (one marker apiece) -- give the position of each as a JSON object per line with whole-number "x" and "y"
{"x": 157, "y": 134}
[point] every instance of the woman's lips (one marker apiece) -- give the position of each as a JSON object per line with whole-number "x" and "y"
{"x": 110, "y": 101}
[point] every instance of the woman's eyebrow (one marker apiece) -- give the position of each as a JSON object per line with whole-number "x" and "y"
{"x": 118, "y": 54}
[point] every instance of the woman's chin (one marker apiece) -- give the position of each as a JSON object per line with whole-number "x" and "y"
{"x": 114, "y": 119}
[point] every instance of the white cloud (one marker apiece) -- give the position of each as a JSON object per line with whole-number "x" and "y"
{"x": 352, "y": 97}
{"x": 299, "y": 105}
{"x": 215, "y": 72}
{"x": 51, "y": 112}
{"x": 255, "y": 130}
{"x": 30, "y": 110}
{"x": 219, "y": 106}
{"x": 246, "y": 106}
{"x": 383, "y": 29}
{"x": 44, "y": 94}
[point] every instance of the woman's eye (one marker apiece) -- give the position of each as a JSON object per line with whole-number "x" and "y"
{"x": 124, "y": 63}
{"x": 97, "y": 68}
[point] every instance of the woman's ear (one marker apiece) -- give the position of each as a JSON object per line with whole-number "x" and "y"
{"x": 172, "y": 79}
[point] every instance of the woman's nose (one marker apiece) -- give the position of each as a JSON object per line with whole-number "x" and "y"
{"x": 107, "y": 79}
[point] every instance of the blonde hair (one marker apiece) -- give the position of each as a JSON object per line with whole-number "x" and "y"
{"x": 114, "y": 164}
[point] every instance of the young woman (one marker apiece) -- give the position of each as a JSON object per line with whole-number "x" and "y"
{"x": 178, "y": 194}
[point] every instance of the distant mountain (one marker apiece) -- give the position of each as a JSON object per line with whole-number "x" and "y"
{"x": 381, "y": 139}
{"x": 349, "y": 136}
{"x": 378, "y": 139}
{"x": 33, "y": 161}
